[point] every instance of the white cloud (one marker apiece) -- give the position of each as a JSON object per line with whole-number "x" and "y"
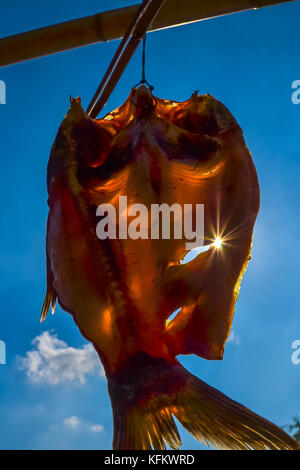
{"x": 96, "y": 428}
{"x": 233, "y": 338}
{"x": 72, "y": 422}
{"x": 53, "y": 362}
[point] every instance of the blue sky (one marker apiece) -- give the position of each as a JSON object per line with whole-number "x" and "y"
{"x": 248, "y": 61}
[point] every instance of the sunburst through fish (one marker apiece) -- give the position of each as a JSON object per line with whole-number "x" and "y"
{"x": 122, "y": 292}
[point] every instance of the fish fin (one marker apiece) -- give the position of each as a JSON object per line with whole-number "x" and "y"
{"x": 150, "y": 391}
{"x": 50, "y": 300}
{"x": 50, "y": 297}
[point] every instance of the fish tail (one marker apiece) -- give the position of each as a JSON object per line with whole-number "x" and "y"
{"x": 149, "y": 392}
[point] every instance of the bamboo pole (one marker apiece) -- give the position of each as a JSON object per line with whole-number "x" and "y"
{"x": 146, "y": 14}
{"x": 112, "y": 24}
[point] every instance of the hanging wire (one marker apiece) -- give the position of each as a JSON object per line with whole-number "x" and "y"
{"x": 136, "y": 31}
{"x": 144, "y": 60}
{"x": 143, "y": 79}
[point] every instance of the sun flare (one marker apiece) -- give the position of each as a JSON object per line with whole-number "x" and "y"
{"x": 218, "y": 242}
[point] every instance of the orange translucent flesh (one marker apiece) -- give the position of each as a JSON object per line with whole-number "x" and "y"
{"x": 121, "y": 292}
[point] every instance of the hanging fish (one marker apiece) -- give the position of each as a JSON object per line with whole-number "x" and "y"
{"x": 122, "y": 292}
